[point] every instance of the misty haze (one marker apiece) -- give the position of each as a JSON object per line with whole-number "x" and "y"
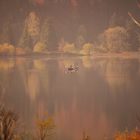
{"x": 69, "y": 70}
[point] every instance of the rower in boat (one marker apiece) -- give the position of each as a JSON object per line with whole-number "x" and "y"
{"x": 72, "y": 68}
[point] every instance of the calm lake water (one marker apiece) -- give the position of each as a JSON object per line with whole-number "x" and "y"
{"x": 101, "y": 98}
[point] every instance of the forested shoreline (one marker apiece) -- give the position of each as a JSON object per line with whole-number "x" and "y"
{"x": 72, "y": 26}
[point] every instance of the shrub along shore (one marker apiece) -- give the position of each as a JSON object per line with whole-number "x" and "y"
{"x": 10, "y": 129}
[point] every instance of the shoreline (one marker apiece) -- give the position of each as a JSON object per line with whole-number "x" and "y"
{"x": 60, "y": 54}
{"x": 118, "y": 55}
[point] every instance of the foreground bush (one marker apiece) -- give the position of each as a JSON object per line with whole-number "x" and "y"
{"x": 8, "y": 121}
{"x": 133, "y": 135}
{"x": 9, "y": 124}
{"x": 45, "y": 128}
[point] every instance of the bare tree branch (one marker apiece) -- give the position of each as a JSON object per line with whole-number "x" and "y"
{"x": 138, "y": 4}
{"x": 134, "y": 20}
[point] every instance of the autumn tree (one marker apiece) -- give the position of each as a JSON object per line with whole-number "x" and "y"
{"x": 115, "y": 39}
{"x": 39, "y": 47}
{"x": 32, "y": 23}
{"x": 31, "y": 30}
{"x": 45, "y": 128}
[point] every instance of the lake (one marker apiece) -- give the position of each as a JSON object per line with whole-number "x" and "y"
{"x": 99, "y": 99}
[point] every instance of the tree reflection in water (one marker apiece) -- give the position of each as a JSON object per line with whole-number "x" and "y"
{"x": 101, "y": 98}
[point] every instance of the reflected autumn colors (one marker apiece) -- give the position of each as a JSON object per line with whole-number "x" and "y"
{"x": 100, "y": 99}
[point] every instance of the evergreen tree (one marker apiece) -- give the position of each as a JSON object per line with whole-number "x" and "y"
{"x": 4, "y": 36}
{"x": 24, "y": 39}
{"x": 81, "y": 37}
{"x": 133, "y": 31}
{"x": 115, "y": 20}
{"x": 48, "y": 35}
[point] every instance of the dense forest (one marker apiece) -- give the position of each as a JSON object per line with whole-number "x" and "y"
{"x": 70, "y": 26}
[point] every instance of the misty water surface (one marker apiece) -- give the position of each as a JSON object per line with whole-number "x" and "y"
{"x": 100, "y": 99}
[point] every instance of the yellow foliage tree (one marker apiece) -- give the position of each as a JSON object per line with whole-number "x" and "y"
{"x": 69, "y": 48}
{"x": 115, "y": 39}
{"x": 31, "y": 30}
{"x": 45, "y": 128}
{"x": 87, "y": 49}
{"x": 39, "y": 47}
{"x": 33, "y": 24}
